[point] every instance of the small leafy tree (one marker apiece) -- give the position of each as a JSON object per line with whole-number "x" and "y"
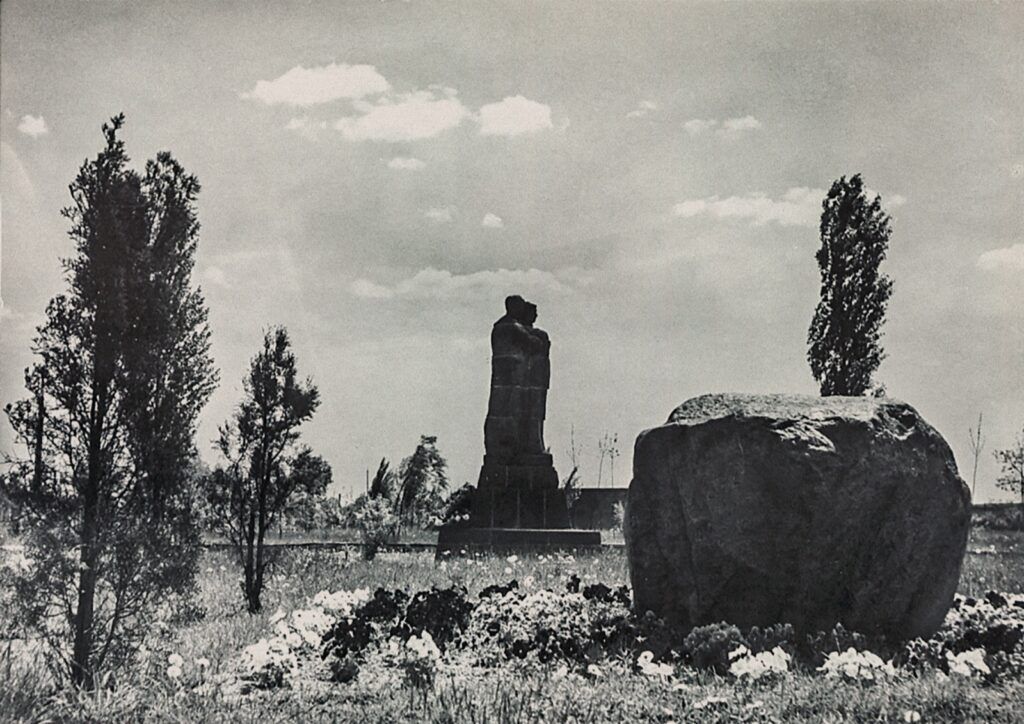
{"x": 844, "y": 350}
{"x": 124, "y": 370}
{"x": 458, "y": 506}
{"x": 265, "y": 465}
{"x": 423, "y": 482}
{"x": 377, "y": 524}
{"x": 312, "y": 476}
{"x": 1012, "y": 461}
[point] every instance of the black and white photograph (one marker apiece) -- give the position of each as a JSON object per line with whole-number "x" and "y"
{"x": 472, "y": 361}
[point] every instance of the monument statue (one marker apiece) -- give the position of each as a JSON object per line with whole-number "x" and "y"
{"x": 517, "y": 504}
{"x": 518, "y": 484}
{"x": 520, "y": 374}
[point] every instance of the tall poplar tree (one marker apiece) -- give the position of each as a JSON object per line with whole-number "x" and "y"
{"x": 844, "y": 337}
{"x": 124, "y": 370}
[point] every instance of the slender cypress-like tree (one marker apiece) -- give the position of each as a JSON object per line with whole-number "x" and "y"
{"x": 844, "y": 350}
{"x": 124, "y": 370}
{"x": 265, "y": 464}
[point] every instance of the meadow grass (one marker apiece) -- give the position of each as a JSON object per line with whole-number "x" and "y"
{"x": 995, "y": 560}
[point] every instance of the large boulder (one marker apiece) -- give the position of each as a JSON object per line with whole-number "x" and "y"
{"x": 759, "y": 509}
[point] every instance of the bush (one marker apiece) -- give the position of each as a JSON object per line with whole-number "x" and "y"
{"x": 377, "y": 525}
{"x": 708, "y": 647}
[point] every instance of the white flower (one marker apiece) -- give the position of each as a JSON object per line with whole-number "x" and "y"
{"x": 512, "y": 559}
{"x": 528, "y": 581}
{"x": 560, "y": 673}
{"x": 765, "y": 665}
{"x": 968, "y": 663}
{"x": 645, "y": 662}
{"x": 508, "y": 571}
{"x": 911, "y": 717}
{"x": 173, "y": 672}
{"x": 595, "y": 671}
{"x": 175, "y": 660}
{"x": 202, "y": 662}
{"x": 856, "y": 666}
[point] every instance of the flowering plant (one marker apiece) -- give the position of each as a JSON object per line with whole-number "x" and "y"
{"x": 268, "y": 663}
{"x": 854, "y": 665}
{"x": 758, "y": 667}
{"x": 420, "y": 660}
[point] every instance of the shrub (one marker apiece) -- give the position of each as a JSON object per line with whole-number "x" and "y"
{"x": 708, "y": 647}
{"x": 377, "y": 525}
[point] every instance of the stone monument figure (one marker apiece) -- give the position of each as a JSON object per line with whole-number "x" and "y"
{"x": 518, "y": 485}
{"x": 518, "y": 503}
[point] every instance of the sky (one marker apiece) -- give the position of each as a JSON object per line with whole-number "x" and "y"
{"x": 378, "y": 176}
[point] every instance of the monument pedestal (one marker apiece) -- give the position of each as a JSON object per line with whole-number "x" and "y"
{"x": 460, "y": 541}
{"x": 522, "y": 493}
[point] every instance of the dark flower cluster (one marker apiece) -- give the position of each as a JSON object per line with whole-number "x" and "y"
{"x": 443, "y": 613}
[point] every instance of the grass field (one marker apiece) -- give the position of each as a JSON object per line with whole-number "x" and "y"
{"x": 995, "y": 561}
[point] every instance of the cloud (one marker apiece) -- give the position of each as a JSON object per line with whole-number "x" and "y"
{"x": 747, "y": 123}
{"x": 888, "y": 202}
{"x": 433, "y": 283}
{"x": 369, "y": 290}
{"x": 306, "y": 127}
{"x": 729, "y": 128}
{"x": 441, "y": 215}
{"x": 405, "y": 164}
{"x": 642, "y": 109}
{"x": 491, "y": 221}
{"x": 34, "y": 126}
{"x": 421, "y": 114}
{"x": 309, "y": 86}
{"x": 799, "y": 206}
{"x": 1010, "y": 258}
{"x": 514, "y": 116}
{"x": 696, "y": 126}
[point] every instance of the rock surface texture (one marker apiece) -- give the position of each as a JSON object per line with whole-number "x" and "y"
{"x": 758, "y": 509}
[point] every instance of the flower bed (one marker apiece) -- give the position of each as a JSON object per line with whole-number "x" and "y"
{"x": 590, "y": 631}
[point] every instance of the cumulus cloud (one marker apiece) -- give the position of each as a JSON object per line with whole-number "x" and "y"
{"x": 729, "y": 128}
{"x": 1010, "y": 258}
{"x": 433, "y": 283}
{"x": 306, "y": 127}
{"x": 642, "y": 109}
{"x": 747, "y": 123}
{"x": 491, "y": 221}
{"x": 310, "y": 86}
{"x": 799, "y": 206}
{"x": 34, "y": 126}
{"x": 514, "y": 116}
{"x": 439, "y": 215}
{"x": 401, "y": 163}
{"x": 412, "y": 116}
{"x": 695, "y": 126}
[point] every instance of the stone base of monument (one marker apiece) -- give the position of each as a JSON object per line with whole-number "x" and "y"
{"x": 520, "y": 494}
{"x": 466, "y": 541}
